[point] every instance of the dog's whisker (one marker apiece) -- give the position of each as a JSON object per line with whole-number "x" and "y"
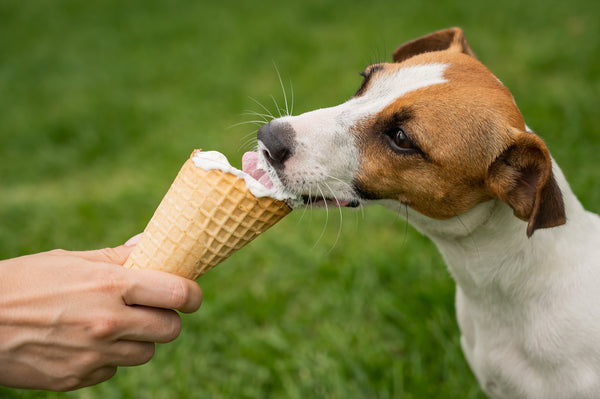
{"x": 249, "y": 143}
{"x": 249, "y": 138}
{"x": 356, "y": 216}
{"x": 263, "y": 116}
{"x": 339, "y": 232}
{"x": 339, "y": 181}
{"x": 306, "y": 207}
{"x": 277, "y": 106}
{"x": 326, "y": 216}
{"x": 292, "y": 99}
{"x": 287, "y": 110}
{"x": 251, "y": 135}
{"x": 266, "y": 115}
{"x": 269, "y": 114}
{"x": 255, "y": 122}
{"x": 303, "y": 213}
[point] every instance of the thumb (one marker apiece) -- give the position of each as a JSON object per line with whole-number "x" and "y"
{"x": 117, "y": 255}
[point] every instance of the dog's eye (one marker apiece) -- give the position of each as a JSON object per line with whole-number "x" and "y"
{"x": 400, "y": 142}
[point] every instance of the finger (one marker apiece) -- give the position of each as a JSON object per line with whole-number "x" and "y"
{"x": 162, "y": 290}
{"x": 144, "y": 324}
{"x": 131, "y": 353}
{"x": 133, "y": 241}
{"x": 117, "y": 255}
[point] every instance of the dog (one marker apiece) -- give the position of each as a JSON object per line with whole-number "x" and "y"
{"x": 437, "y": 138}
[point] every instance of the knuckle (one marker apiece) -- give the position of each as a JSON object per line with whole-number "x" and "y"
{"x": 111, "y": 255}
{"x": 89, "y": 360}
{"x": 84, "y": 369}
{"x": 111, "y": 280}
{"x": 64, "y": 379}
{"x": 104, "y": 325}
{"x": 186, "y": 296}
{"x": 58, "y": 252}
{"x": 180, "y": 294}
{"x": 73, "y": 382}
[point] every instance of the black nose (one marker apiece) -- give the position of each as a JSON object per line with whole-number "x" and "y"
{"x": 278, "y": 141}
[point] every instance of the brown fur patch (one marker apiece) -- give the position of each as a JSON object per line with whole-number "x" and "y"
{"x": 461, "y": 127}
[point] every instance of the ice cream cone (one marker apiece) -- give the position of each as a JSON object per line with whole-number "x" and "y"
{"x": 205, "y": 217}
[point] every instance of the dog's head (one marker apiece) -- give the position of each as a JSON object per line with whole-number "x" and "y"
{"x": 434, "y": 130}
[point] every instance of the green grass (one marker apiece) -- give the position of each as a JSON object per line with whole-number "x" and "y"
{"x": 100, "y": 103}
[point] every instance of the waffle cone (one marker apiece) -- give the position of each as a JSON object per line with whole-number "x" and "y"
{"x": 205, "y": 217}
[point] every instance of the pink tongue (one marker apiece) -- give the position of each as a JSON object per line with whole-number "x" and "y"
{"x": 250, "y": 166}
{"x": 341, "y": 203}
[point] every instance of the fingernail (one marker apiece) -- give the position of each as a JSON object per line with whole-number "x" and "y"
{"x": 133, "y": 240}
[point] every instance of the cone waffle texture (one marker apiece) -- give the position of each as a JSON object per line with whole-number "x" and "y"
{"x": 205, "y": 217}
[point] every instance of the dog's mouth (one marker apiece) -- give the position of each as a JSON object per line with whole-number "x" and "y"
{"x": 261, "y": 171}
{"x": 325, "y": 202}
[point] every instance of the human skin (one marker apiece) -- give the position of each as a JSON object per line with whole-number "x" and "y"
{"x": 69, "y": 319}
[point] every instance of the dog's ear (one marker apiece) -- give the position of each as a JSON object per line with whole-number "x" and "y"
{"x": 448, "y": 39}
{"x": 522, "y": 177}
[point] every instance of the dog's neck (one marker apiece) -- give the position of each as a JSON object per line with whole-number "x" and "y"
{"x": 486, "y": 248}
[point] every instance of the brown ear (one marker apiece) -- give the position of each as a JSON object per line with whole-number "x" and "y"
{"x": 447, "y": 39}
{"x": 522, "y": 177}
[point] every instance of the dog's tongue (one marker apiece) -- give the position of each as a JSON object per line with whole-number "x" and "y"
{"x": 250, "y": 166}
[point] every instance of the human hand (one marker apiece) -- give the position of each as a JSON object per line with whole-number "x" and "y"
{"x": 69, "y": 319}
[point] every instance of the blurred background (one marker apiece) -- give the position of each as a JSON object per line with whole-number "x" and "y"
{"x": 101, "y": 103}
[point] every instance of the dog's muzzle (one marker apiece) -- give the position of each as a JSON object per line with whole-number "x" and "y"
{"x": 277, "y": 144}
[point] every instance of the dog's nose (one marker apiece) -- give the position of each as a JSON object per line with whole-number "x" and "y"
{"x": 277, "y": 140}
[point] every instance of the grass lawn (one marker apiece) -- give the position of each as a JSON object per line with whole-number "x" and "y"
{"x": 101, "y": 102}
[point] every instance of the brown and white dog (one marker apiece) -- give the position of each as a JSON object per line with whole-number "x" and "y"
{"x": 436, "y": 137}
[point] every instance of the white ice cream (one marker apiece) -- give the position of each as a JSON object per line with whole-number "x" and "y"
{"x": 214, "y": 160}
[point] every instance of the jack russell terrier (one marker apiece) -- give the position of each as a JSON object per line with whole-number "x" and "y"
{"x": 437, "y": 138}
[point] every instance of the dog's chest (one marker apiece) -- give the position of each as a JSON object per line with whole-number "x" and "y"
{"x": 541, "y": 350}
